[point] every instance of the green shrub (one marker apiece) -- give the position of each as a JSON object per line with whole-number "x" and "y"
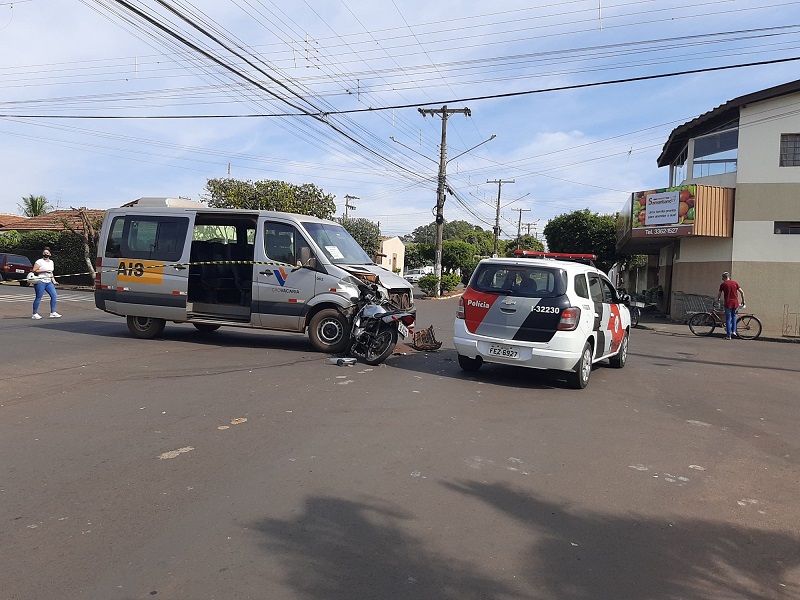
{"x": 450, "y": 282}
{"x": 428, "y": 284}
{"x": 9, "y": 241}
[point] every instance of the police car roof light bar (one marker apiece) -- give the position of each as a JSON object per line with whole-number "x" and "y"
{"x": 554, "y": 255}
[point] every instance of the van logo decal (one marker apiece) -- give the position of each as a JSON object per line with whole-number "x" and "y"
{"x": 281, "y": 275}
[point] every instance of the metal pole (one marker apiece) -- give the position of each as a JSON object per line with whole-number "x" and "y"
{"x": 499, "y": 183}
{"x": 442, "y": 187}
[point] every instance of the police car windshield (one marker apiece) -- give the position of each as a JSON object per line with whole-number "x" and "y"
{"x": 337, "y": 245}
{"x": 518, "y": 280}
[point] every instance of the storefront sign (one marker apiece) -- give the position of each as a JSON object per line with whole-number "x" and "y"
{"x": 663, "y": 212}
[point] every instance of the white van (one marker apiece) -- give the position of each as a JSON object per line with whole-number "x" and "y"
{"x": 165, "y": 259}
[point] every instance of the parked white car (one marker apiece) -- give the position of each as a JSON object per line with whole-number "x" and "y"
{"x": 414, "y": 275}
{"x": 541, "y": 313}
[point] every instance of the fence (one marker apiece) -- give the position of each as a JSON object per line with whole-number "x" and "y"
{"x": 791, "y": 323}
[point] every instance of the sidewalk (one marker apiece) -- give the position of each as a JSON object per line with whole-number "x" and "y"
{"x": 653, "y": 321}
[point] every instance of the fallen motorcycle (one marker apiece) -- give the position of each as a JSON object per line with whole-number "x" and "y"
{"x": 377, "y": 325}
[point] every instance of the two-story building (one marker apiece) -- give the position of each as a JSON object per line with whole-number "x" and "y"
{"x": 732, "y": 204}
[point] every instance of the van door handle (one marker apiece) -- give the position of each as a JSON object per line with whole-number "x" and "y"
{"x": 265, "y": 272}
{"x": 179, "y": 268}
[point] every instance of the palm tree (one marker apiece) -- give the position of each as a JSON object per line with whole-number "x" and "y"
{"x": 33, "y": 206}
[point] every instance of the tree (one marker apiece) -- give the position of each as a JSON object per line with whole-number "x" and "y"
{"x": 365, "y": 232}
{"x": 418, "y": 255}
{"x": 34, "y": 206}
{"x": 306, "y": 199}
{"x": 526, "y": 242}
{"x": 457, "y": 255}
{"x": 424, "y": 234}
{"x": 583, "y": 231}
{"x": 88, "y": 234}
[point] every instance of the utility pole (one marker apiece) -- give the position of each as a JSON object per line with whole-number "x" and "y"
{"x": 441, "y": 190}
{"x": 519, "y": 224}
{"x": 528, "y": 225}
{"x": 347, "y": 204}
{"x": 499, "y": 183}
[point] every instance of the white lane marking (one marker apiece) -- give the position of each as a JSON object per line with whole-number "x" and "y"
{"x": 61, "y": 298}
{"x": 699, "y": 423}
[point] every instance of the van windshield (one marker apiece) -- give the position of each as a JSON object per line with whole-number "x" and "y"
{"x": 338, "y": 246}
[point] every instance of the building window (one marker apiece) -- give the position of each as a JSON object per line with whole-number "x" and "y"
{"x": 787, "y": 227}
{"x": 716, "y": 153}
{"x": 790, "y": 150}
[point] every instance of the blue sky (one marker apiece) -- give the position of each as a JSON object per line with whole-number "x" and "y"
{"x": 565, "y": 150}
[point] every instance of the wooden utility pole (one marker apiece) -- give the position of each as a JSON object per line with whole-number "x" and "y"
{"x": 441, "y": 190}
{"x": 499, "y": 183}
{"x": 347, "y": 204}
{"x": 519, "y": 224}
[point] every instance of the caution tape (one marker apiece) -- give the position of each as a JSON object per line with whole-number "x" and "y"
{"x": 161, "y": 266}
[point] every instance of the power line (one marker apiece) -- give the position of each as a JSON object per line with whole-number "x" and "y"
{"x": 417, "y": 105}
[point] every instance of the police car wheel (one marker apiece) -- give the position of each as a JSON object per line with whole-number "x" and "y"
{"x": 145, "y": 328}
{"x": 580, "y": 378}
{"x": 328, "y": 331}
{"x": 621, "y": 358}
{"x": 469, "y": 364}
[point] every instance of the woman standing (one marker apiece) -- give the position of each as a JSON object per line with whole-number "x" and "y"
{"x": 43, "y": 269}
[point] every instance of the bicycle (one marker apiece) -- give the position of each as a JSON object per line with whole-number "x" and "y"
{"x": 748, "y": 327}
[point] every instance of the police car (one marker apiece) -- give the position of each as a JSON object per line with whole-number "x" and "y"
{"x": 542, "y": 311}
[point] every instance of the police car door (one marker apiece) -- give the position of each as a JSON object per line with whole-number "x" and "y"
{"x": 608, "y": 326}
{"x": 283, "y": 290}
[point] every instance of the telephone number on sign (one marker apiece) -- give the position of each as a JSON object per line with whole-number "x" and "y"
{"x": 661, "y": 231}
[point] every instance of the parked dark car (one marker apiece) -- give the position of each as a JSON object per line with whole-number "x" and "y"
{"x": 14, "y": 267}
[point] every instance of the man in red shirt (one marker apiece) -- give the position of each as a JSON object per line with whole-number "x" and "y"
{"x": 731, "y": 291}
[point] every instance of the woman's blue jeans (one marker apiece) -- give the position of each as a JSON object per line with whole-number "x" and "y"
{"x": 730, "y": 321}
{"x": 40, "y": 290}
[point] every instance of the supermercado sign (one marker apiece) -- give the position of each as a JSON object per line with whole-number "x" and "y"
{"x": 663, "y": 212}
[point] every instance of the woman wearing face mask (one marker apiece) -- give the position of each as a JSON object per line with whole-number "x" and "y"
{"x": 43, "y": 269}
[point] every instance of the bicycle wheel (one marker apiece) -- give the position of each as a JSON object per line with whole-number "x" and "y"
{"x": 748, "y": 327}
{"x": 635, "y": 314}
{"x": 702, "y": 324}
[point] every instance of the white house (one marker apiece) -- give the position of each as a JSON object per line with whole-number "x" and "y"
{"x": 392, "y": 254}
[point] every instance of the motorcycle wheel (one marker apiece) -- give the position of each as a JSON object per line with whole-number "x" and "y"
{"x": 382, "y": 346}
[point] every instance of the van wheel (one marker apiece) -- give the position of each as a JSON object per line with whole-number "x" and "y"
{"x": 329, "y": 331}
{"x": 580, "y": 378}
{"x": 145, "y": 328}
{"x": 621, "y": 357}
{"x": 205, "y": 327}
{"x": 469, "y": 364}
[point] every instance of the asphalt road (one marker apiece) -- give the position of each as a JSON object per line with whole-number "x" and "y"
{"x": 243, "y": 465}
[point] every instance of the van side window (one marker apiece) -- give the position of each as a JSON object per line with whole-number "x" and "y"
{"x": 283, "y": 243}
{"x": 149, "y": 238}
{"x": 114, "y": 243}
{"x": 580, "y": 286}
